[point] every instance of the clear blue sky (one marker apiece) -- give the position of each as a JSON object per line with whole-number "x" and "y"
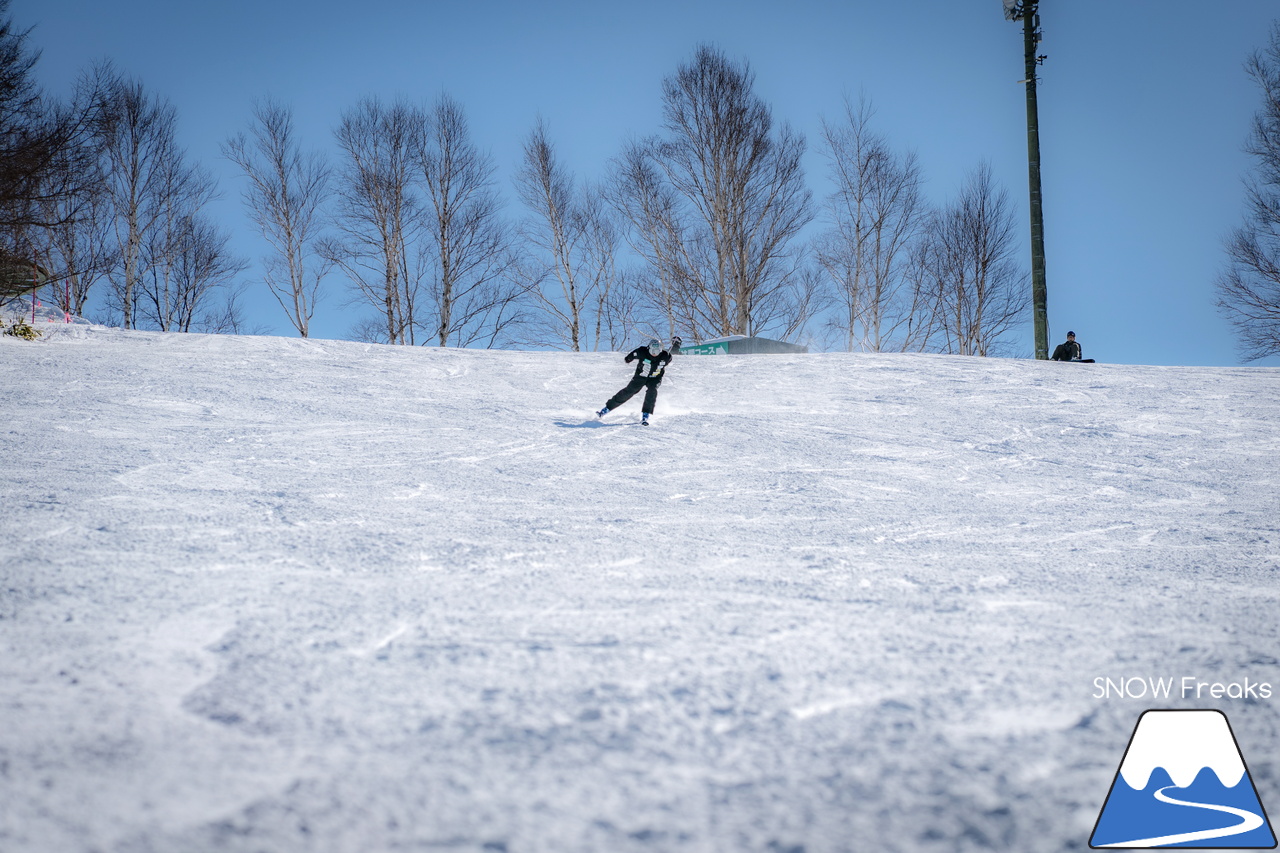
{"x": 1144, "y": 108}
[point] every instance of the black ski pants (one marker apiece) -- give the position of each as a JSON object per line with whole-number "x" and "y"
{"x": 650, "y": 395}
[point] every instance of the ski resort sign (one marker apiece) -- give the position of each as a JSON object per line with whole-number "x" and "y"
{"x": 742, "y": 345}
{"x": 720, "y": 347}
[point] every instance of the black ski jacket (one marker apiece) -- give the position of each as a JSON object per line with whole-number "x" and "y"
{"x": 1068, "y": 351}
{"x": 649, "y": 365}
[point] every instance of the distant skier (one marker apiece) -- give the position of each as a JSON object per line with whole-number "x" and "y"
{"x": 1069, "y": 350}
{"x": 651, "y": 362}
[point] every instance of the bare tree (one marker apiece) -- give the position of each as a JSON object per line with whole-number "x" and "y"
{"x": 875, "y": 214}
{"x": 150, "y": 186}
{"x": 675, "y": 264}
{"x": 47, "y": 159}
{"x": 34, "y": 134}
{"x": 27, "y": 142}
{"x": 77, "y": 243}
{"x": 79, "y": 248}
{"x": 625, "y": 312}
{"x": 571, "y": 268}
{"x": 981, "y": 291}
{"x": 614, "y": 305}
{"x": 167, "y": 296}
{"x": 789, "y": 312}
{"x": 467, "y": 249}
{"x": 719, "y": 200}
{"x": 1249, "y": 289}
{"x": 379, "y": 214}
{"x": 922, "y": 294}
{"x": 227, "y": 317}
{"x": 184, "y": 265}
{"x": 285, "y": 198}
{"x": 419, "y": 231}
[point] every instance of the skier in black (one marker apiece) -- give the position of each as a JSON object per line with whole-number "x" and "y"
{"x": 1069, "y": 350}
{"x": 651, "y": 362}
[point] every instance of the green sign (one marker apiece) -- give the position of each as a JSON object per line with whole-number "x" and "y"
{"x": 717, "y": 348}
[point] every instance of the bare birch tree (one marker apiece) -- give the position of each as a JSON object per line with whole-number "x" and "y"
{"x": 378, "y": 211}
{"x": 78, "y": 244}
{"x": 981, "y": 290}
{"x": 875, "y": 214}
{"x": 467, "y": 252}
{"x": 80, "y": 250}
{"x": 187, "y": 263}
{"x": 674, "y": 265}
{"x": 1249, "y": 289}
{"x": 181, "y": 190}
{"x": 614, "y": 307}
{"x": 149, "y": 184}
{"x": 724, "y": 194}
{"x": 285, "y": 197}
{"x": 569, "y": 265}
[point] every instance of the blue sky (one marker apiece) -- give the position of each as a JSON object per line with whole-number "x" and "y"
{"x": 1144, "y": 108}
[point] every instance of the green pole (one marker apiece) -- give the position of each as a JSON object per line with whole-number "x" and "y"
{"x": 1039, "y": 290}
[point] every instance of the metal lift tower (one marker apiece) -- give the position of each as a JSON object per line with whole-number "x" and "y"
{"x": 1027, "y": 12}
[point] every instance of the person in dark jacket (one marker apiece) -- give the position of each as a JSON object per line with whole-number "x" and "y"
{"x": 1068, "y": 350}
{"x": 651, "y": 362}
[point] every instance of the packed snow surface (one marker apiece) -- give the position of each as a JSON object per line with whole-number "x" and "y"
{"x": 266, "y": 594}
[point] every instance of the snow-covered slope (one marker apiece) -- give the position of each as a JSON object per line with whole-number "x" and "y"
{"x": 271, "y": 594}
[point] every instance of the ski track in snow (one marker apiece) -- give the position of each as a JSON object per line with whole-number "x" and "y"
{"x": 271, "y": 594}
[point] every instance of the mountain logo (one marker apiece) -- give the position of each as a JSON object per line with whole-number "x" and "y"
{"x": 1183, "y": 783}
